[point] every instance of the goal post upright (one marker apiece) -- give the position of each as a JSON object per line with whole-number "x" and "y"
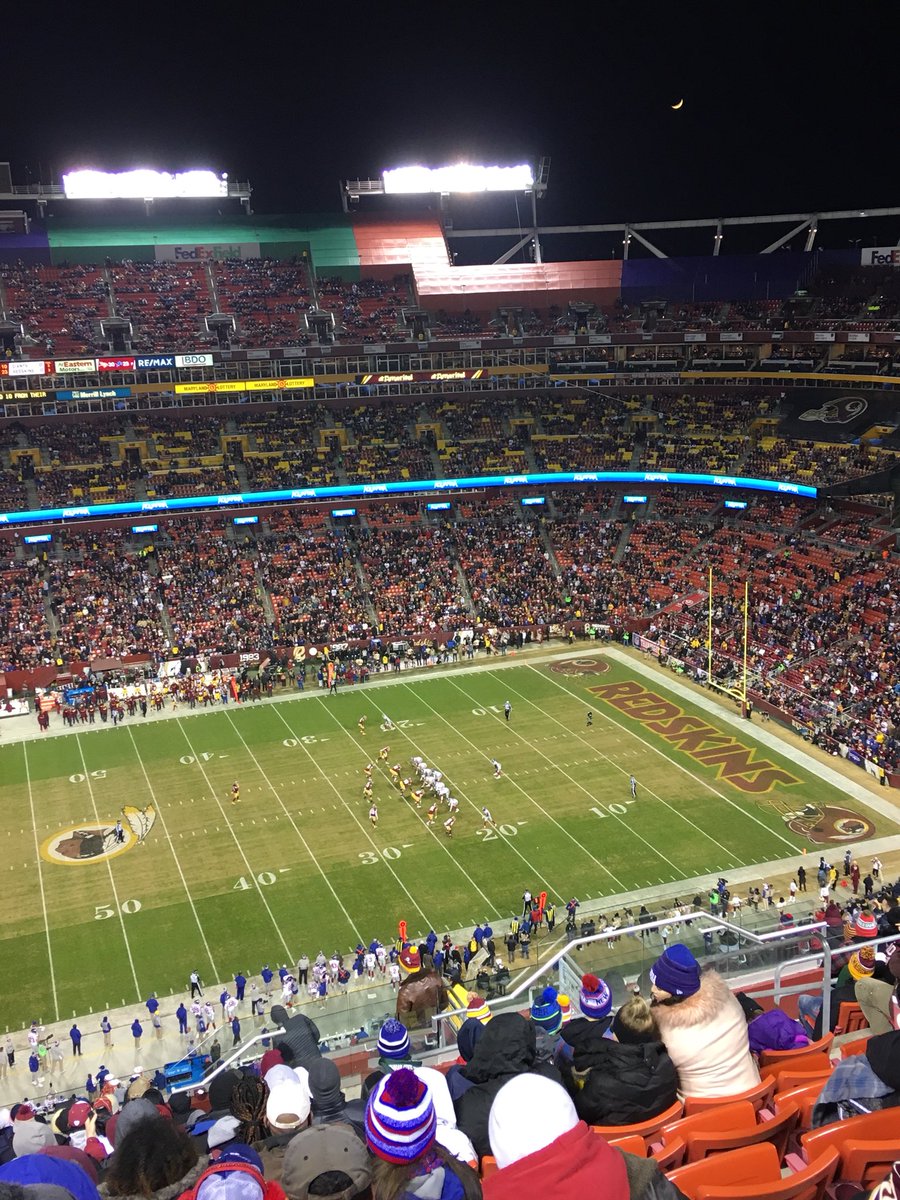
{"x": 709, "y": 632}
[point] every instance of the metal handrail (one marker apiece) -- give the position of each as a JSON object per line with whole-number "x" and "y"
{"x": 225, "y": 1063}
{"x": 760, "y": 939}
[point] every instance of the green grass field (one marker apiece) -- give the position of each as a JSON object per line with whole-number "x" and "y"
{"x": 297, "y": 866}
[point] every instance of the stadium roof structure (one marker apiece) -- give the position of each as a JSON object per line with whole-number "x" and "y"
{"x": 353, "y": 190}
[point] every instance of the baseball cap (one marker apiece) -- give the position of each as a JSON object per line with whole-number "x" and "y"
{"x": 321, "y": 1148}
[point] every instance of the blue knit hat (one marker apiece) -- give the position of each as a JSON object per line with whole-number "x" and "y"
{"x": 393, "y": 1041}
{"x": 400, "y": 1117}
{"x": 545, "y": 1011}
{"x": 676, "y": 971}
{"x": 595, "y": 998}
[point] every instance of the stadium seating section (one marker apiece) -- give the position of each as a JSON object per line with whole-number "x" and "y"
{"x": 825, "y": 580}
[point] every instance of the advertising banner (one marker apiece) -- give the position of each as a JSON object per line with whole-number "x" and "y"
{"x": 115, "y": 364}
{"x": 209, "y": 253}
{"x": 155, "y": 362}
{"x": 21, "y": 370}
{"x": 451, "y": 376}
{"x": 74, "y": 366}
{"x": 880, "y": 256}
{"x": 245, "y": 385}
{"x": 836, "y": 417}
{"x": 193, "y": 360}
{"x": 110, "y": 393}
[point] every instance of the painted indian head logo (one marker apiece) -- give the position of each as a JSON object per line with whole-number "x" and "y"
{"x": 93, "y": 841}
{"x": 824, "y": 823}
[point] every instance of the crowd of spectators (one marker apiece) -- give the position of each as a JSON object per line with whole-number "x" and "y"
{"x": 535, "y": 1100}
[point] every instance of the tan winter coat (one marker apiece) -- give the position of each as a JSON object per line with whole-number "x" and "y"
{"x": 706, "y": 1037}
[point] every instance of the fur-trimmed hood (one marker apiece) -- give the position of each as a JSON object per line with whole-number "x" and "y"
{"x": 700, "y": 1009}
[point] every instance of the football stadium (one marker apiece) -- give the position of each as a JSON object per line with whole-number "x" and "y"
{"x": 449, "y": 688}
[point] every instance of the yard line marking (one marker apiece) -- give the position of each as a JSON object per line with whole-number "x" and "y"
{"x": 41, "y": 882}
{"x": 558, "y": 891}
{"x": 433, "y": 832}
{"x": 622, "y": 770}
{"x": 368, "y": 836}
{"x": 305, "y": 843}
{"x": 112, "y": 880}
{"x": 198, "y": 761}
{"x": 162, "y": 821}
{"x": 581, "y": 788}
{"x": 680, "y": 766}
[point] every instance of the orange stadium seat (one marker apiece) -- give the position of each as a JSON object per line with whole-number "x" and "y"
{"x": 810, "y": 1183}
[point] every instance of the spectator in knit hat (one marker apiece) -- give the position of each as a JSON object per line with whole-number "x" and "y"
{"x": 236, "y": 1174}
{"x": 625, "y": 1077}
{"x": 546, "y": 1017}
{"x": 506, "y": 1048}
{"x": 880, "y": 1000}
{"x": 29, "y": 1132}
{"x": 467, "y": 1039}
{"x": 37, "y": 1172}
{"x": 300, "y": 1040}
{"x": 329, "y": 1162}
{"x": 400, "y": 1132}
{"x": 394, "y": 1048}
{"x": 861, "y": 969}
{"x": 543, "y": 1150}
{"x": 156, "y": 1158}
{"x": 595, "y": 1005}
{"x": 328, "y": 1103}
{"x": 702, "y": 1026}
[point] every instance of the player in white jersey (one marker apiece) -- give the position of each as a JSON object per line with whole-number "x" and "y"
{"x": 498, "y": 770}
{"x": 486, "y": 819}
{"x": 371, "y": 960}
{"x": 381, "y": 957}
{"x": 373, "y": 815}
{"x": 452, "y": 804}
{"x": 394, "y": 973}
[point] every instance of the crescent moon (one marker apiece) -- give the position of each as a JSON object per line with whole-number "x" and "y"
{"x": 680, "y": 104}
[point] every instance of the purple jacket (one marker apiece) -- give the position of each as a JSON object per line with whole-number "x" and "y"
{"x": 774, "y": 1030}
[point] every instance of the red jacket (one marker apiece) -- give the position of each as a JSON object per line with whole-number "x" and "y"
{"x": 567, "y": 1169}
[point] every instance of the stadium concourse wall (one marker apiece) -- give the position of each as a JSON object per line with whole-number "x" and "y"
{"x": 354, "y": 245}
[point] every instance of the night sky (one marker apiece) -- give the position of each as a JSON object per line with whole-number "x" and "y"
{"x": 786, "y": 106}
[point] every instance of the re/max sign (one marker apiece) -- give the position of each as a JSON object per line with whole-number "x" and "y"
{"x": 695, "y": 737}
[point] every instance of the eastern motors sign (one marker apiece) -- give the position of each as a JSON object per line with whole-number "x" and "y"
{"x": 881, "y": 256}
{"x": 75, "y": 366}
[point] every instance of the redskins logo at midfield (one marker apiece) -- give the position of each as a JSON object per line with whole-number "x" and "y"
{"x": 580, "y": 666}
{"x": 822, "y": 823}
{"x": 93, "y": 841}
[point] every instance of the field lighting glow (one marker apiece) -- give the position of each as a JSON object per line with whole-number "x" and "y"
{"x": 463, "y": 177}
{"x": 142, "y": 185}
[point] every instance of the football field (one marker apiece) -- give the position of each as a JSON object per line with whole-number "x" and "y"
{"x": 200, "y": 883}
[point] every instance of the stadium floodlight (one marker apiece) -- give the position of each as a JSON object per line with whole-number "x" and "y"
{"x": 463, "y": 177}
{"x": 142, "y": 185}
